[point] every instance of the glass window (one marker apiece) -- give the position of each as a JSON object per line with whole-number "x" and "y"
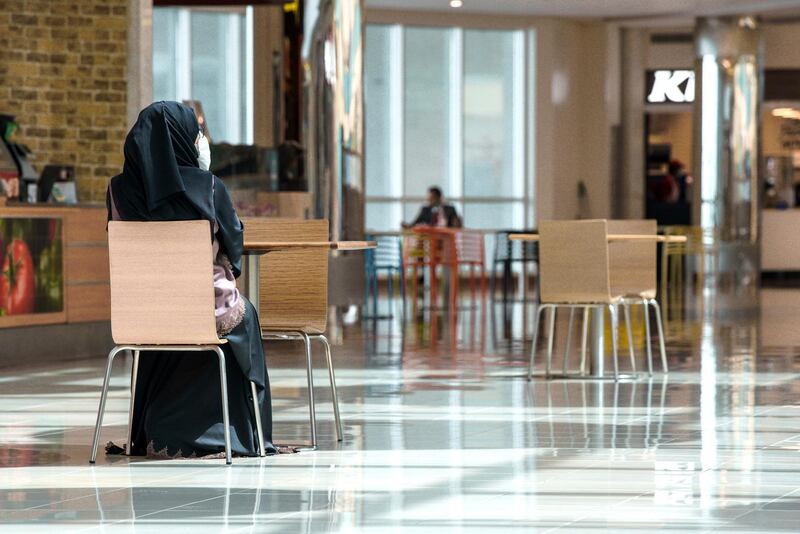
{"x": 426, "y": 81}
{"x": 490, "y": 114}
{"x": 494, "y": 215}
{"x": 378, "y": 127}
{"x": 383, "y": 216}
{"x": 202, "y": 55}
{"x": 447, "y": 107}
{"x": 164, "y": 52}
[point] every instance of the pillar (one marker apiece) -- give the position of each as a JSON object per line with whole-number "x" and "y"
{"x": 727, "y": 121}
{"x": 333, "y": 136}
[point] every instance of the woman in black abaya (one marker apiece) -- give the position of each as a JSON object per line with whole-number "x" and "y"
{"x": 177, "y": 410}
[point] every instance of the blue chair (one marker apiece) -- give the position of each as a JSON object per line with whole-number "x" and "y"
{"x": 386, "y": 257}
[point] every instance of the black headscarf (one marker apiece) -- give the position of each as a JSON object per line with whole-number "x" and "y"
{"x": 161, "y": 180}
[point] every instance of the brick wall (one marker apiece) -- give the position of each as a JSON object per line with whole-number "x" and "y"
{"x": 63, "y": 75}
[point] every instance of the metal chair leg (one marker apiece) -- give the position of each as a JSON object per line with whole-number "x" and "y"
{"x": 102, "y": 408}
{"x": 584, "y": 337}
{"x": 257, "y": 412}
{"x": 334, "y": 394}
{"x": 223, "y": 384}
{"x": 312, "y": 414}
{"x": 626, "y": 308}
{"x": 103, "y": 396}
{"x": 551, "y": 335}
{"x": 660, "y": 325}
{"x": 613, "y": 310}
{"x": 568, "y": 343}
{"x": 647, "y": 339}
{"x": 134, "y": 375}
{"x": 390, "y": 292}
{"x": 537, "y": 314}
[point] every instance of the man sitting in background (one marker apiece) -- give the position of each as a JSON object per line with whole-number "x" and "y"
{"x": 436, "y": 213}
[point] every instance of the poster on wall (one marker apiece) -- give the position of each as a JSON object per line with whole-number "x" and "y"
{"x": 31, "y": 268}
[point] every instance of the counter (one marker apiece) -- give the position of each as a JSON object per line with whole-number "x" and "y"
{"x": 54, "y": 265}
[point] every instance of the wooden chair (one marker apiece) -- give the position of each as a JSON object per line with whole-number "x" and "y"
{"x": 293, "y": 303}
{"x": 171, "y": 311}
{"x": 573, "y": 258}
{"x": 633, "y": 275}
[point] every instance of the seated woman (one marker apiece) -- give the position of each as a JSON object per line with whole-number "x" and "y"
{"x": 177, "y": 410}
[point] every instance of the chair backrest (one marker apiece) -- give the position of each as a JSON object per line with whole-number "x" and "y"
{"x": 469, "y": 247}
{"x": 294, "y": 283}
{"x": 573, "y": 259}
{"x": 388, "y": 254}
{"x": 516, "y": 251}
{"x": 162, "y": 283}
{"x": 418, "y": 247}
{"x": 633, "y": 263}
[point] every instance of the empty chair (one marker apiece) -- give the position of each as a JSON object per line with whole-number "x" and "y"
{"x": 463, "y": 248}
{"x": 173, "y": 311}
{"x": 387, "y": 257}
{"x": 574, "y": 265}
{"x": 633, "y": 275}
{"x": 506, "y": 254}
{"x": 293, "y": 303}
{"x": 421, "y": 249}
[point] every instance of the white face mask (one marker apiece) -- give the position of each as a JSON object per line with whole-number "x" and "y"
{"x": 204, "y": 156}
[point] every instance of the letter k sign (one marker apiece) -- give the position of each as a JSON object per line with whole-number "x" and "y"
{"x": 672, "y": 86}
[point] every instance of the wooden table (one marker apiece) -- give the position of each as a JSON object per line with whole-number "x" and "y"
{"x": 614, "y": 238}
{"x": 253, "y": 250}
{"x": 597, "y": 360}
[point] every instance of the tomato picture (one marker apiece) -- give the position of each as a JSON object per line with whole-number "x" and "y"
{"x": 17, "y": 280}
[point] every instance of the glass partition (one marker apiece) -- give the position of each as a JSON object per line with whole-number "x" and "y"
{"x": 447, "y": 107}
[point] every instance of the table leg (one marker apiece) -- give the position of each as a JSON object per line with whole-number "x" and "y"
{"x": 598, "y": 343}
{"x": 250, "y": 278}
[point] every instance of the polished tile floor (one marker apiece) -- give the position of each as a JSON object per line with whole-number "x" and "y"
{"x": 443, "y": 435}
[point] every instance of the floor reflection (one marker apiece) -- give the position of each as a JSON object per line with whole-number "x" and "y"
{"x": 443, "y": 433}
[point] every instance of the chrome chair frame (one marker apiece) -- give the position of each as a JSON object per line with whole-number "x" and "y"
{"x": 587, "y": 308}
{"x": 647, "y": 302}
{"x": 312, "y": 414}
{"x": 136, "y": 349}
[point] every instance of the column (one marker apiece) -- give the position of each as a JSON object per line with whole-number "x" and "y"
{"x": 333, "y": 131}
{"x": 727, "y": 120}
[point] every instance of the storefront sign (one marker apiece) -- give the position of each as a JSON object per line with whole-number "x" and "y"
{"x": 670, "y": 86}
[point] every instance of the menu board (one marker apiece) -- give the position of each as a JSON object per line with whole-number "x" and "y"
{"x": 31, "y": 270}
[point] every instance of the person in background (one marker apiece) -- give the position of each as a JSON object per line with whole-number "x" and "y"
{"x": 436, "y": 213}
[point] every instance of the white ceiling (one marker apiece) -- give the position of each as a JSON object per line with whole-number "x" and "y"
{"x": 603, "y": 9}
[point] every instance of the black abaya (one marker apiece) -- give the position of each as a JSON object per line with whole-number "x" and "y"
{"x": 178, "y": 409}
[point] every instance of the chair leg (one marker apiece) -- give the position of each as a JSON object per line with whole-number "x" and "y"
{"x": 568, "y": 343}
{"x": 660, "y": 325}
{"x": 647, "y": 339}
{"x": 551, "y": 335}
{"x": 584, "y": 337}
{"x": 312, "y": 414}
{"x": 102, "y": 408}
{"x": 614, "y": 311}
{"x": 223, "y": 384}
{"x": 257, "y": 412}
{"x": 374, "y": 292}
{"x": 134, "y": 375}
{"x": 334, "y": 394}
{"x": 493, "y": 281}
{"x": 537, "y": 314}
{"x": 626, "y": 308}
{"x": 390, "y": 291}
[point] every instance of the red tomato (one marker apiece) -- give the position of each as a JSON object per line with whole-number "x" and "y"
{"x": 17, "y": 284}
